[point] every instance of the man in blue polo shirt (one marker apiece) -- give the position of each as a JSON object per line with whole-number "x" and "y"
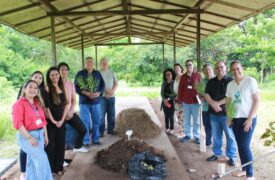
{"x": 215, "y": 96}
{"x": 89, "y": 86}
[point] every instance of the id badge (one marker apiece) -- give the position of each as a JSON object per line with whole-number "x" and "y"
{"x": 189, "y": 87}
{"x": 38, "y": 122}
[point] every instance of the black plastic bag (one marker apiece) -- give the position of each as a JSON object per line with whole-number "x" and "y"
{"x": 146, "y": 166}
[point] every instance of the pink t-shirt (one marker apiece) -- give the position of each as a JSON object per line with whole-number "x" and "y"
{"x": 70, "y": 92}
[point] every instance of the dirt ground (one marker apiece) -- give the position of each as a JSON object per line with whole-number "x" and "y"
{"x": 192, "y": 158}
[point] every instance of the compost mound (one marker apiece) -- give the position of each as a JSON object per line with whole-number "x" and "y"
{"x": 117, "y": 156}
{"x": 137, "y": 120}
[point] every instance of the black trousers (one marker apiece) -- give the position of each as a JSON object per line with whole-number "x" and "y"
{"x": 169, "y": 116}
{"x": 56, "y": 147}
{"x": 78, "y": 125}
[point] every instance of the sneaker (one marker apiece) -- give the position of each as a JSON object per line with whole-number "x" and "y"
{"x": 171, "y": 131}
{"x": 65, "y": 164}
{"x": 112, "y": 133}
{"x": 231, "y": 162}
{"x": 83, "y": 149}
{"x": 185, "y": 139}
{"x": 208, "y": 145}
{"x": 197, "y": 140}
{"x": 167, "y": 131}
{"x": 212, "y": 158}
{"x": 180, "y": 136}
{"x": 22, "y": 176}
{"x": 97, "y": 143}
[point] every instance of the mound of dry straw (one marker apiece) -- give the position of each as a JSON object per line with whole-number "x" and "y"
{"x": 138, "y": 121}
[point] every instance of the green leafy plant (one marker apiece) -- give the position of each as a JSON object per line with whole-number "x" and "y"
{"x": 269, "y": 135}
{"x": 201, "y": 88}
{"x": 230, "y": 110}
{"x": 90, "y": 83}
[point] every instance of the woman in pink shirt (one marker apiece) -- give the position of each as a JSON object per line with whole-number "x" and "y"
{"x": 29, "y": 119}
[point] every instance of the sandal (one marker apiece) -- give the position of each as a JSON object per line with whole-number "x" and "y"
{"x": 60, "y": 173}
{"x": 239, "y": 174}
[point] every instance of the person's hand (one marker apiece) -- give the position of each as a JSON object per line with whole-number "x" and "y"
{"x": 215, "y": 105}
{"x": 59, "y": 124}
{"x": 46, "y": 140}
{"x": 95, "y": 95}
{"x": 247, "y": 125}
{"x": 110, "y": 92}
{"x": 228, "y": 121}
{"x": 69, "y": 115}
{"x": 33, "y": 141}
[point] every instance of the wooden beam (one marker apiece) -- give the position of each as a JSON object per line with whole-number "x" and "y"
{"x": 45, "y": 16}
{"x": 205, "y": 11}
{"x": 96, "y": 56}
{"x": 88, "y": 28}
{"x": 29, "y": 6}
{"x": 174, "y": 47}
{"x": 82, "y": 52}
{"x": 198, "y": 43}
{"x": 54, "y": 62}
{"x": 224, "y": 3}
{"x": 180, "y": 22}
{"x": 49, "y": 7}
{"x": 209, "y": 22}
{"x": 128, "y": 34}
{"x": 222, "y": 16}
{"x": 119, "y": 13}
{"x": 127, "y": 44}
{"x": 162, "y": 57}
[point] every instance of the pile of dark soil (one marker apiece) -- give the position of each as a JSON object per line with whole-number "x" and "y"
{"x": 137, "y": 120}
{"x": 116, "y": 156}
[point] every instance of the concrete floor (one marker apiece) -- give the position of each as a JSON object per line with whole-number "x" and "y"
{"x": 83, "y": 166}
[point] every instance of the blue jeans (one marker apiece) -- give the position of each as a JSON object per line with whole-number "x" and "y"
{"x": 38, "y": 167}
{"x": 188, "y": 110}
{"x": 88, "y": 111}
{"x": 219, "y": 125}
{"x": 107, "y": 107}
{"x": 207, "y": 127}
{"x": 243, "y": 140}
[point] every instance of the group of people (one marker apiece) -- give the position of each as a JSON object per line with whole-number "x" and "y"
{"x": 180, "y": 91}
{"x": 41, "y": 112}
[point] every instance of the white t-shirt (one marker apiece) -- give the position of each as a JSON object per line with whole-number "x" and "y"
{"x": 241, "y": 95}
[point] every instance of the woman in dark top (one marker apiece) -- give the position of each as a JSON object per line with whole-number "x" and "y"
{"x": 168, "y": 97}
{"x": 56, "y": 116}
{"x": 38, "y": 77}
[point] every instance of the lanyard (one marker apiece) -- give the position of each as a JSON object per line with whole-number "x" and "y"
{"x": 35, "y": 109}
{"x": 189, "y": 79}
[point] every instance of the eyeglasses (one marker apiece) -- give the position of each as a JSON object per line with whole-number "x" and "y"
{"x": 168, "y": 74}
{"x": 188, "y": 65}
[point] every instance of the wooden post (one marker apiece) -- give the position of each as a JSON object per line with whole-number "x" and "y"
{"x": 163, "y": 57}
{"x": 174, "y": 44}
{"x": 82, "y": 51}
{"x": 96, "y": 56}
{"x": 198, "y": 44}
{"x": 53, "y": 41}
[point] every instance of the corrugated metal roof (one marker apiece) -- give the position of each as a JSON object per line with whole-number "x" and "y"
{"x": 154, "y": 20}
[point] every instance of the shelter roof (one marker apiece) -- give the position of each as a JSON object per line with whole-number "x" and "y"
{"x": 101, "y": 21}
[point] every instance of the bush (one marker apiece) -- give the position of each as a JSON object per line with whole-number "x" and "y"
{"x": 7, "y": 92}
{"x": 6, "y": 129}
